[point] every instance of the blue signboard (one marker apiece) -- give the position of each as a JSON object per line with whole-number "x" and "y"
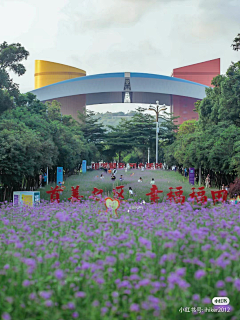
{"x": 84, "y": 166}
{"x": 59, "y": 175}
{"x": 191, "y": 175}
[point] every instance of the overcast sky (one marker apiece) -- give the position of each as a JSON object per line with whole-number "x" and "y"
{"x": 100, "y": 36}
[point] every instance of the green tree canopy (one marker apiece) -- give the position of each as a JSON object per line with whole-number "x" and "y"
{"x": 93, "y": 130}
{"x": 236, "y": 43}
{"x": 10, "y": 57}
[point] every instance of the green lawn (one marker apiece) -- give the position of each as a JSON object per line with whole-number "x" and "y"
{"x": 163, "y": 179}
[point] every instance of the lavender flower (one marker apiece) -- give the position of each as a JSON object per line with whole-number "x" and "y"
{"x": 237, "y": 284}
{"x": 45, "y": 294}
{"x": 64, "y": 256}
{"x": 48, "y": 303}
{"x": 6, "y": 316}
{"x": 206, "y": 300}
{"x": 75, "y": 315}
{"x": 196, "y": 297}
{"x": 220, "y": 284}
{"x": 134, "y": 307}
{"x": 59, "y": 274}
{"x": 199, "y": 274}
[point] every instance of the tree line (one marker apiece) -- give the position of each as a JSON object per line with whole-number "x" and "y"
{"x": 35, "y": 135}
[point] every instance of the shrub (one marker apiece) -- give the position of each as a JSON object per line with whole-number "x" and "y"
{"x": 234, "y": 189}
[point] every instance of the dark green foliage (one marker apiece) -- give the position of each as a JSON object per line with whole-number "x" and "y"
{"x": 136, "y": 133}
{"x": 236, "y": 43}
{"x": 93, "y": 131}
{"x": 132, "y": 138}
{"x": 10, "y": 58}
{"x": 34, "y": 136}
{"x": 234, "y": 189}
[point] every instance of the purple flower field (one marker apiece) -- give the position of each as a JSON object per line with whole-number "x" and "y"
{"x": 71, "y": 261}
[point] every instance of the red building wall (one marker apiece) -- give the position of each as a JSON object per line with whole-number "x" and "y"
{"x": 72, "y": 104}
{"x": 183, "y": 107}
{"x": 202, "y": 72}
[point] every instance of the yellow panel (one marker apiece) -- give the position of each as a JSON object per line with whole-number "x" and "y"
{"x": 47, "y": 72}
{"x": 27, "y": 199}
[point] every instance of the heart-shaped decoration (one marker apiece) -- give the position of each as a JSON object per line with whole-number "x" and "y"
{"x": 112, "y": 205}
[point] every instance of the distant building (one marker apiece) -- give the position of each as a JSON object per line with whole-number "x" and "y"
{"x": 75, "y": 90}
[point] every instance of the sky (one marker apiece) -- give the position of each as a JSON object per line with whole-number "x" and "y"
{"x": 100, "y": 36}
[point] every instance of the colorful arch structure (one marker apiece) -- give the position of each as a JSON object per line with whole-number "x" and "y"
{"x": 76, "y": 90}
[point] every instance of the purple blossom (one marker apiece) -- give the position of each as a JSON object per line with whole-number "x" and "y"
{"x": 196, "y": 297}
{"x": 127, "y": 291}
{"x": 45, "y": 294}
{"x": 30, "y": 262}
{"x": 115, "y": 294}
{"x": 18, "y": 245}
{"x": 145, "y": 242}
{"x": 145, "y": 305}
{"x": 199, "y": 274}
{"x": 222, "y": 293}
{"x": 26, "y": 283}
{"x": 32, "y": 296}
{"x": 173, "y": 278}
{"x": 80, "y": 294}
{"x": 181, "y": 272}
{"x": 95, "y": 303}
{"x": 153, "y": 300}
{"x": 144, "y": 282}
{"x": 48, "y": 303}
{"x": 220, "y": 284}
{"x": 59, "y": 274}
{"x": 109, "y": 304}
{"x": 134, "y": 277}
{"x": 134, "y": 307}
{"x": 124, "y": 284}
{"x": 110, "y": 260}
{"x": 6, "y": 316}
{"x": 228, "y": 279}
{"x": 75, "y": 314}
{"x": 100, "y": 280}
{"x": 237, "y": 284}
{"x": 206, "y": 300}
{"x": 71, "y": 305}
{"x": 104, "y": 310}
{"x": 183, "y": 284}
{"x": 206, "y": 247}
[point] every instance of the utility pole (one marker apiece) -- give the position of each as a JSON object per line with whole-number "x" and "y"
{"x": 200, "y": 176}
{"x": 157, "y": 111}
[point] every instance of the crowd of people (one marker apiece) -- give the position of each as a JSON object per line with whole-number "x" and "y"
{"x": 113, "y": 177}
{"x": 182, "y": 170}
